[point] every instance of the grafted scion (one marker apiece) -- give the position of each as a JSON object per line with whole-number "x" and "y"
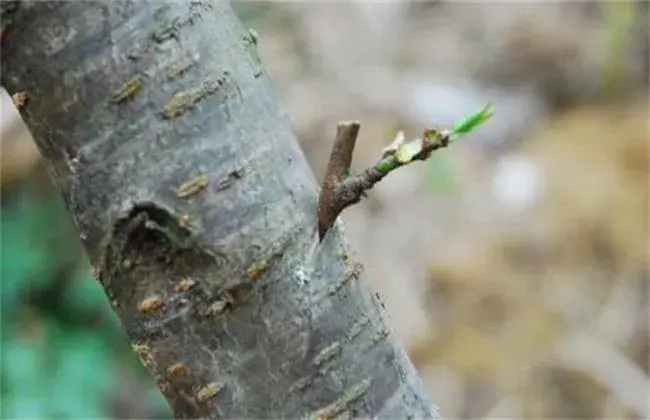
{"x": 340, "y": 189}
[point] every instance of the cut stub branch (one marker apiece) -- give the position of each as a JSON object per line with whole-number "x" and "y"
{"x": 340, "y": 189}
{"x": 338, "y": 168}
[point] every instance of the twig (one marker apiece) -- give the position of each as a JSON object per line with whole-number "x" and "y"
{"x": 340, "y": 189}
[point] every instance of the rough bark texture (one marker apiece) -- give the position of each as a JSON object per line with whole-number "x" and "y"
{"x": 222, "y": 285}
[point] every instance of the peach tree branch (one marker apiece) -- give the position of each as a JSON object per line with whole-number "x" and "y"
{"x": 341, "y": 190}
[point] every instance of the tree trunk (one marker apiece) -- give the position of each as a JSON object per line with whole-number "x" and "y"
{"x": 226, "y": 293}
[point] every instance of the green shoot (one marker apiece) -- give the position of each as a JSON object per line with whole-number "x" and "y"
{"x": 472, "y": 122}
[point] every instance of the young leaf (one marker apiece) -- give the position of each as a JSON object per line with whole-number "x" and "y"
{"x": 470, "y": 123}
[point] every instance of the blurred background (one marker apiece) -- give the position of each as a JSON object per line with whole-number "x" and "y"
{"x": 514, "y": 264}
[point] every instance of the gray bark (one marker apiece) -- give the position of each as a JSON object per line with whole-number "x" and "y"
{"x": 226, "y": 294}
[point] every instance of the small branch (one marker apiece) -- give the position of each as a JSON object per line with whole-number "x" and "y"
{"x": 341, "y": 190}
